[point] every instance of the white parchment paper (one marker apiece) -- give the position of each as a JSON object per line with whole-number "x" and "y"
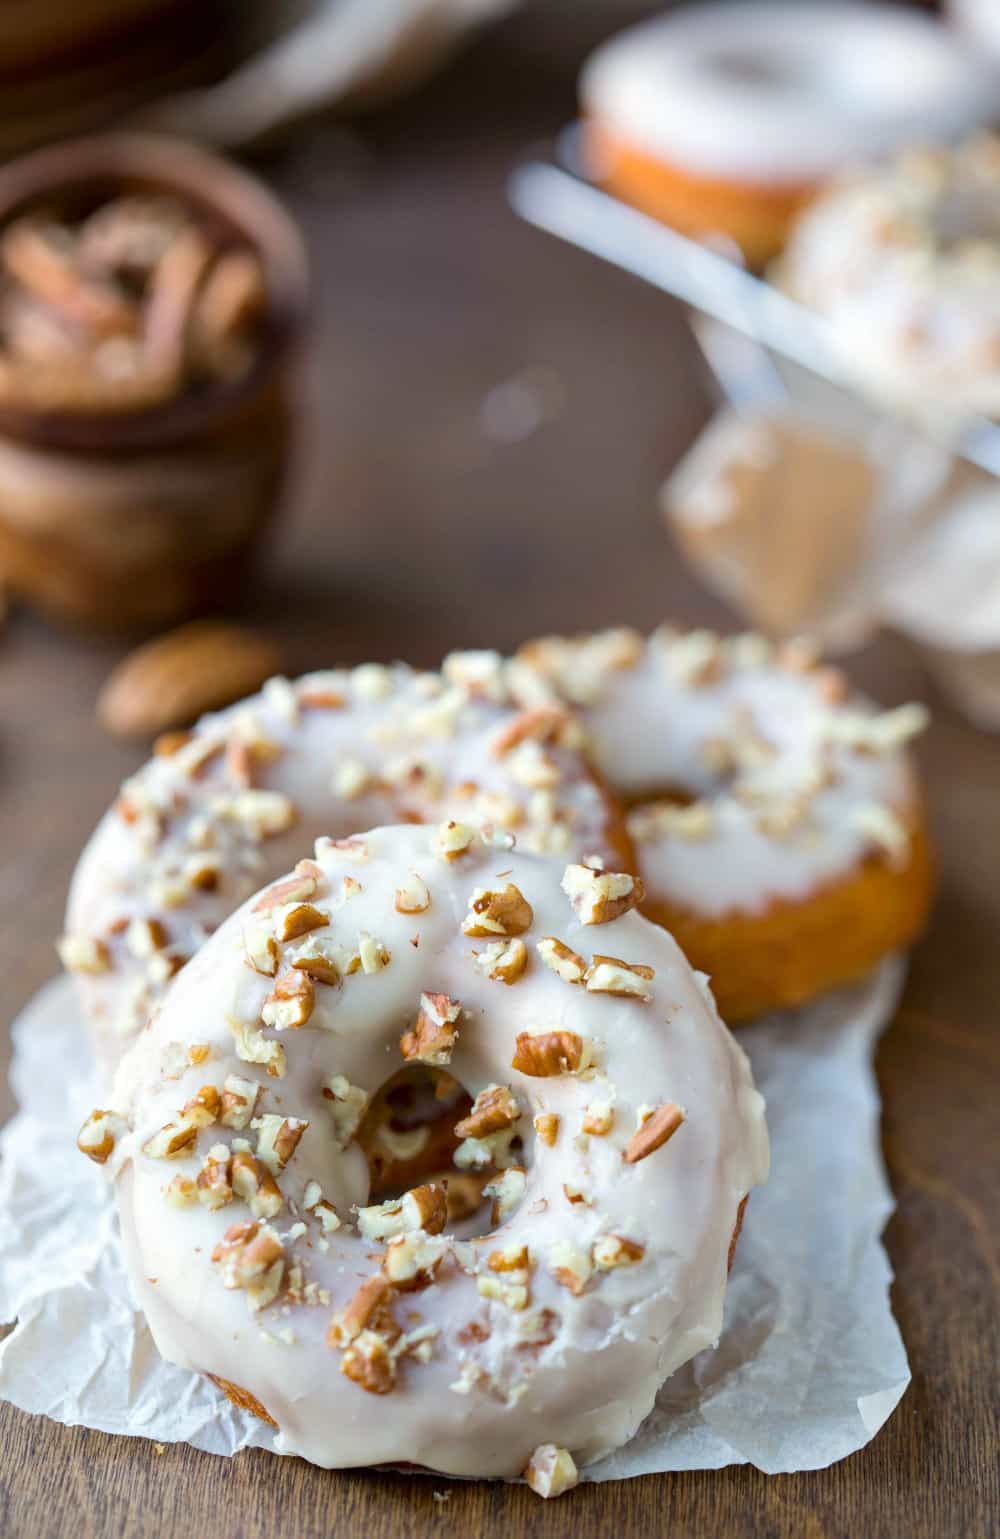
{"x": 809, "y": 1367}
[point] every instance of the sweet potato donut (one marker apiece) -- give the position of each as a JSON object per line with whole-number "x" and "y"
{"x": 724, "y": 119}
{"x": 223, "y": 809}
{"x": 903, "y": 262}
{"x": 778, "y": 826}
{"x": 615, "y": 1111}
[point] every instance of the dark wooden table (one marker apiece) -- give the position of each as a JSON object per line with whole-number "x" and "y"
{"x": 410, "y": 531}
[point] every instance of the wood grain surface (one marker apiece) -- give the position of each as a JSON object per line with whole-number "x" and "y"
{"x": 414, "y": 528}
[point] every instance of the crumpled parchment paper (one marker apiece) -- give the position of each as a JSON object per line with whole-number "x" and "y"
{"x": 809, "y": 1367}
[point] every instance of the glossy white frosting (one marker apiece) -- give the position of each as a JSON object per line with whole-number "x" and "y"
{"x": 904, "y": 263}
{"x": 785, "y": 92}
{"x": 791, "y": 790}
{"x": 400, "y": 744}
{"x": 980, "y": 20}
{"x": 486, "y": 1398}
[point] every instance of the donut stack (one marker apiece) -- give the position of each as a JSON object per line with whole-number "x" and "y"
{"x": 429, "y": 1141}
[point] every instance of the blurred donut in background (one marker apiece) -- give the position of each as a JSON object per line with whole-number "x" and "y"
{"x": 724, "y": 120}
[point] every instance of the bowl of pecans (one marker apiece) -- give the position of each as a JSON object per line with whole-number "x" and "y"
{"x": 151, "y": 296}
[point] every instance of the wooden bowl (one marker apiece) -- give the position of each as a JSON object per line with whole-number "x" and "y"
{"x": 137, "y": 517}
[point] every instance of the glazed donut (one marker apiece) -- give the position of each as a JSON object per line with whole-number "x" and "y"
{"x": 220, "y": 810}
{"x": 579, "y": 1030}
{"x": 904, "y": 263}
{"x": 778, "y": 828}
{"x": 725, "y": 119}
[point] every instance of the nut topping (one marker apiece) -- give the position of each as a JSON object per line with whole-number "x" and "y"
{"x": 547, "y": 1127}
{"x": 453, "y": 839}
{"x": 254, "y": 1183}
{"x": 348, "y": 1104}
{"x": 614, "y": 1250}
{"x": 239, "y": 1098}
{"x": 543, "y": 1054}
{"x": 295, "y": 919}
{"x": 569, "y": 1266}
{"x": 290, "y": 1003}
{"x": 551, "y": 1471}
{"x": 494, "y": 1108}
{"x": 657, "y": 1128}
{"x": 413, "y": 897}
{"x": 83, "y": 954}
{"x": 562, "y": 959}
{"x": 277, "y": 1139}
{"x": 610, "y": 975}
{"x": 497, "y": 912}
{"x": 503, "y": 961}
{"x": 411, "y": 1260}
{"x": 368, "y": 1309}
{"x": 99, "y": 1134}
{"x": 425, "y": 1207}
{"x": 507, "y": 1190}
{"x": 600, "y": 896}
{"x": 434, "y": 1032}
{"x": 370, "y": 1364}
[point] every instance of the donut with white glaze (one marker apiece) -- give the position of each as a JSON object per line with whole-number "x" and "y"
{"x": 777, "y": 824}
{"x": 724, "y": 119}
{"x": 220, "y": 810}
{"x": 903, "y": 262}
{"x": 616, "y": 1112}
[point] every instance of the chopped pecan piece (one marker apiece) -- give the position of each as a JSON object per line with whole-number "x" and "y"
{"x": 551, "y": 1471}
{"x": 295, "y": 919}
{"x": 254, "y": 1183}
{"x": 654, "y": 1132}
{"x": 84, "y": 954}
{"x": 278, "y": 1139}
{"x": 503, "y": 961}
{"x": 562, "y": 959}
{"x": 369, "y": 1307}
{"x": 453, "y": 839}
{"x": 413, "y": 897}
{"x": 503, "y": 911}
{"x": 411, "y": 1260}
{"x": 290, "y": 1003}
{"x": 545, "y": 1053}
{"x": 614, "y": 1250}
{"x": 99, "y": 1134}
{"x": 214, "y": 1184}
{"x": 424, "y": 1207}
{"x": 370, "y": 1364}
{"x": 569, "y": 1266}
{"x": 348, "y": 1104}
{"x": 239, "y": 1098}
{"x": 507, "y": 1190}
{"x": 261, "y": 949}
{"x": 434, "y": 1032}
{"x": 600, "y": 896}
{"x": 547, "y": 1127}
{"x": 494, "y": 1108}
{"x": 610, "y": 975}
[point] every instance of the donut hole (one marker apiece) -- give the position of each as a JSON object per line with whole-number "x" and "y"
{"x": 408, "y": 1138}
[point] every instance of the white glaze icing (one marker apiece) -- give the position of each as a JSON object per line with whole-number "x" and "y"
{"x": 477, "y": 1406}
{"x": 783, "y": 804}
{"x": 904, "y": 262}
{"x": 980, "y": 20}
{"x": 785, "y": 92}
{"x": 401, "y": 745}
